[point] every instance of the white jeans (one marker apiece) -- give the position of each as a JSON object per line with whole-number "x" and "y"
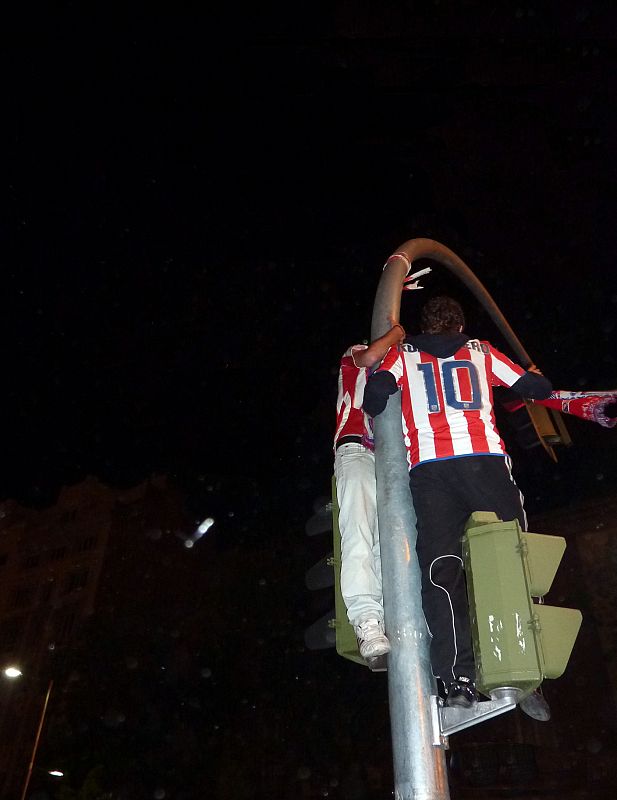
{"x": 354, "y": 468}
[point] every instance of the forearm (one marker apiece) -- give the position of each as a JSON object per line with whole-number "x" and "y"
{"x": 376, "y": 351}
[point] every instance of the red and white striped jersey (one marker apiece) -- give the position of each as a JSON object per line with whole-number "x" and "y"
{"x": 447, "y": 403}
{"x": 351, "y": 420}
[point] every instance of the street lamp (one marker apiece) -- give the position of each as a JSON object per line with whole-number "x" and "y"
{"x": 50, "y": 686}
{"x": 12, "y": 672}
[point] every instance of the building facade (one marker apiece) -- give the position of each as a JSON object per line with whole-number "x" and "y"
{"x": 51, "y": 563}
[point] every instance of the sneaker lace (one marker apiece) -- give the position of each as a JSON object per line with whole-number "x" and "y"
{"x": 371, "y": 627}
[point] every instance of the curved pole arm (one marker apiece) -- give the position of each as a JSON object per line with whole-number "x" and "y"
{"x": 388, "y": 299}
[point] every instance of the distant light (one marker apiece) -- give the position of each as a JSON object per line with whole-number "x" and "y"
{"x": 13, "y": 672}
{"x": 56, "y": 773}
{"x": 188, "y": 542}
{"x": 205, "y": 525}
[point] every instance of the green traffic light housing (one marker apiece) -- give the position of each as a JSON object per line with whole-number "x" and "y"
{"x": 333, "y": 628}
{"x": 346, "y": 642}
{"x": 517, "y": 642}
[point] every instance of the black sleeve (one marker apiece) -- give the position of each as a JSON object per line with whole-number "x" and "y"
{"x": 533, "y": 386}
{"x": 378, "y": 388}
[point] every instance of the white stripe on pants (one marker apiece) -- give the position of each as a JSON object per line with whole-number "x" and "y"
{"x": 354, "y": 468}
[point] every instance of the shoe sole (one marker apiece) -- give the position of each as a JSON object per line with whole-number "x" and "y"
{"x": 375, "y": 653}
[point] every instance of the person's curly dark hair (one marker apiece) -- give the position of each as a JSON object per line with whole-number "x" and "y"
{"x": 442, "y": 314}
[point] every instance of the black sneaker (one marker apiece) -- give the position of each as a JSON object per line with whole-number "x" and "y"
{"x": 462, "y": 693}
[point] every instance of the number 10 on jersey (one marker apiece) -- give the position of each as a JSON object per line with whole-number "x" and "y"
{"x": 460, "y": 380}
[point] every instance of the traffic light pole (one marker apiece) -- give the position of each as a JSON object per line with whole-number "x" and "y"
{"x": 419, "y": 766}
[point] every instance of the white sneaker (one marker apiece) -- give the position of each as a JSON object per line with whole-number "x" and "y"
{"x": 372, "y": 638}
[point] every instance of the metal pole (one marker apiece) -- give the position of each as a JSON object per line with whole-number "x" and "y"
{"x": 36, "y": 741}
{"x": 419, "y": 767}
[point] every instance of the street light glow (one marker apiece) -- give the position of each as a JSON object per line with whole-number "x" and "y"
{"x": 207, "y": 523}
{"x": 56, "y": 773}
{"x": 13, "y": 672}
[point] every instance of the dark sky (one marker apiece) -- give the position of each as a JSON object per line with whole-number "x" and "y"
{"x": 198, "y": 205}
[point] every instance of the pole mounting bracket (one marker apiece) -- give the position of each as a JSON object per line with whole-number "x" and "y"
{"x": 448, "y": 720}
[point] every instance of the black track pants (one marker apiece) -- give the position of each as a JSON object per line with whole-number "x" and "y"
{"x": 444, "y": 494}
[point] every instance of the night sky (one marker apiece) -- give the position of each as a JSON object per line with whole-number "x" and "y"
{"x": 197, "y": 207}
